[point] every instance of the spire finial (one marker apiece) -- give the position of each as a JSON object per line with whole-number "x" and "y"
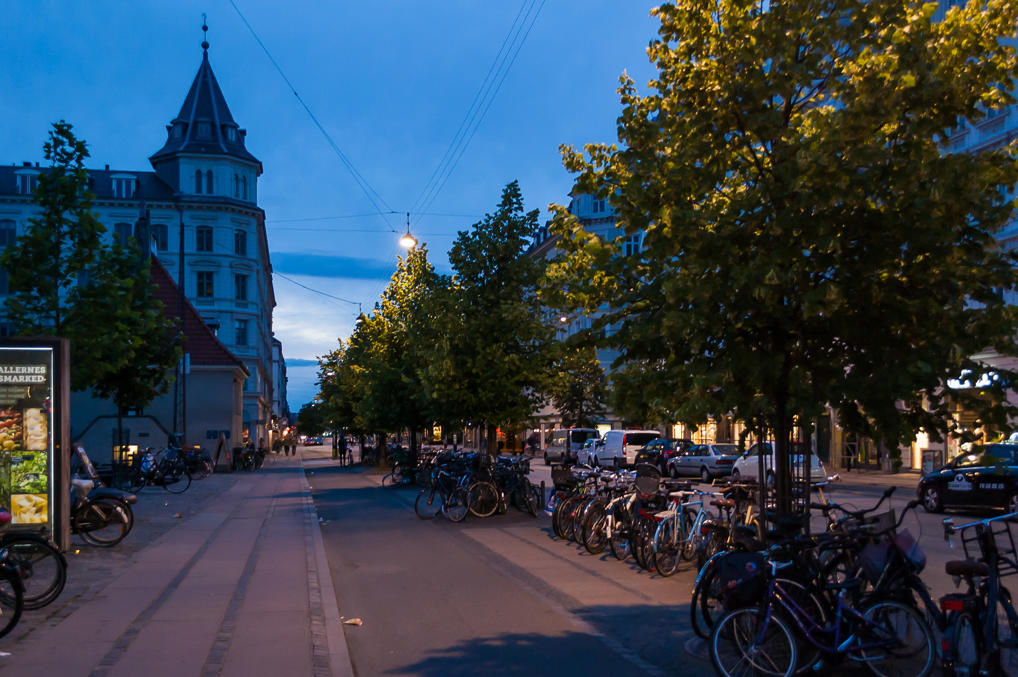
{"x": 205, "y": 33}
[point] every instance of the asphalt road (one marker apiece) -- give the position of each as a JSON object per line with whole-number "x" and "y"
{"x": 495, "y": 597}
{"x": 502, "y": 596}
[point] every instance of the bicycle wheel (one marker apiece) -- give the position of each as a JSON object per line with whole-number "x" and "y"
{"x": 742, "y": 645}
{"x": 177, "y": 481}
{"x": 666, "y": 546}
{"x": 618, "y": 540}
{"x": 687, "y": 539}
{"x": 532, "y": 499}
{"x": 569, "y": 513}
{"x": 456, "y": 505}
{"x": 482, "y": 499}
{"x": 103, "y": 522}
{"x": 137, "y": 480}
{"x": 576, "y": 533}
{"x": 12, "y": 601}
{"x": 705, "y": 606}
{"x": 907, "y": 641}
{"x": 428, "y": 504}
{"x": 643, "y": 544}
{"x": 43, "y": 568}
{"x": 564, "y": 507}
{"x": 593, "y": 528}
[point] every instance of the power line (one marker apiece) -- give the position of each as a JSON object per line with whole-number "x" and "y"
{"x": 337, "y": 298}
{"x": 475, "y": 114}
{"x": 459, "y": 131}
{"x": 368, "y": 191}
{"x": 358, "y": 216}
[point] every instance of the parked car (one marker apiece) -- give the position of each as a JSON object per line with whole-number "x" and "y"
{"x": 984, "y": 478}
{"x": 586, "y": 452}
{"x": 660, "y": 452}
{"x": 747, "y": 467}
{"x": 563, "y": 445}
{"x": 313, "y": 441}
{"x": 706, "y": 460}
{"x": 621, "y": 446}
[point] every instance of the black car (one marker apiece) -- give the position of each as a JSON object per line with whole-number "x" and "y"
{"x": 658, "y": 452}
{"x": 986, "y": 477}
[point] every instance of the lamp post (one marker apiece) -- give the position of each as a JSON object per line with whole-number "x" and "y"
{"x": 408, "y": 241}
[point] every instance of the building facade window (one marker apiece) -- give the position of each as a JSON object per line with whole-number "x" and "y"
{"x": 123, "y": 188}
{"x": 208, "y": 181}
{"x": 27, "y": 183}
{"x": 240, "y": 242}
{"x": 212, "y": 323}
{"x": 161, "y": 236}
{"x": 197, "y": 180}
{"x": 240, "y": 287}
{"x": 243, "y": 186}
{"x": 631, "y": 245}
{"x": 122, "y": 234}
{"x": 240, "y": 331}
{"x": 8, "y": 232}
{"x": 236, "y": 186}
{"x": 205, "y": 284}
{"x": 204, "y": 130}
{"x": 203, "y": 238}
{"x": 231, "y": 134}
{"x": 599, "y": 206}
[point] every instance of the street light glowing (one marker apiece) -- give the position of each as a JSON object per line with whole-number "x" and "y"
{"x": 408, "y": 241}
{"x": 563, "y": 319}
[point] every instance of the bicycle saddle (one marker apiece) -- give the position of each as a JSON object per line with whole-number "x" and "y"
{"x": 723, "y": 503}
{"x": 966, "y": 567}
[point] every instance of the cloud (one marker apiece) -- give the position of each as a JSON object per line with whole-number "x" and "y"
{"x": 300, "y": 362}
{"x": 326, "y": 265}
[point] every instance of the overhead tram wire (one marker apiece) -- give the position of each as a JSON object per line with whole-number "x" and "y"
{"x": 470, "y": 109}
{"x": 478, "y": 119}
{"x": 362, "y": 183}
{"x": 304, "y": 286}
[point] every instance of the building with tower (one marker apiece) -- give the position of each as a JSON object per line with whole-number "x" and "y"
{"x": 207, "y": 231}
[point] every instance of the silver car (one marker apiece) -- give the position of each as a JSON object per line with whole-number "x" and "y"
{"x": 706, "y": 460}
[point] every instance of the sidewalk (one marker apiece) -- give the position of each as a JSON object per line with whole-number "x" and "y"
{"x": 229, "y": 578}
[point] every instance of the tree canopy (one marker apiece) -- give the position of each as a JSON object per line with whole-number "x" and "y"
{"x": 66, "y": 281}
{"x": 806, "y": 239}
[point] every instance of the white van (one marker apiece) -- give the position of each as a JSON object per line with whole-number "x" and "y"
{"x": 620, "y": 446}
{"x": 563, "y": 445}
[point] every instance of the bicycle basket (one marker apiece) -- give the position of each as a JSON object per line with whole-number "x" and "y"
{"x": 874, "y": 558}
{"x": 910, "y": 549}
{"x": 647, "y": 486}
{"x": 742, "y": 579}
{"x": 562, "y": 477}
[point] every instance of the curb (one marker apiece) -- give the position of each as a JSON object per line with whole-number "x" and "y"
{"x": 339, "y": 652}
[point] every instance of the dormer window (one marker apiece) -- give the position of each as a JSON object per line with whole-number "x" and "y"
{"x": 123, "y": 187}
{"x": 204, "y": 130}
{"x": 178, "y": 130}
{"x": 27, "y": 182}
{"x": 231, "y": 134}
{"x": 599, "y": 206}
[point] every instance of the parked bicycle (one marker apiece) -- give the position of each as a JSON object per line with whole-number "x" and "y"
{"x": 12, "y": 588}
{"x": 164, "y": 469}
{"x": 100, "y": 515}
{"x": 982, "y": 624}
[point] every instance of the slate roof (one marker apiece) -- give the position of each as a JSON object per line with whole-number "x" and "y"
{"x": 204, "y": 103}
{"x": 199, "y": 341}
{"x": 100, "y": 182}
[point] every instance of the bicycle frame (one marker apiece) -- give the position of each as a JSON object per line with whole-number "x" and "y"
{"x": 808, "y": 626}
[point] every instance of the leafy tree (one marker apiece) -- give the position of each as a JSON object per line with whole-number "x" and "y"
{"x": 65, "y": 282}
{"x": 806, "y": 241}
{"x": 312, "y": 418}
{"x": 494, "y": 356}
{"x": 576, "y": 385}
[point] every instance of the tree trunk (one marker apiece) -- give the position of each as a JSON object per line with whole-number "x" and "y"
{"x": 782, "y": 467}
{"x": 492, "y": 440}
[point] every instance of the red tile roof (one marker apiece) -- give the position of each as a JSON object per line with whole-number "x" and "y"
{"x": 199, "y": 341}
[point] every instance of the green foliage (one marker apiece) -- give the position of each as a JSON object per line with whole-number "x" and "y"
{"x": 65, "y": 282}
{"x": 806, "y": 239}
{"x": 59, "y": 245}
{"x": 312, "y": 419}
{"x": 493, "y": 357}
{"x": 576, "y": 385}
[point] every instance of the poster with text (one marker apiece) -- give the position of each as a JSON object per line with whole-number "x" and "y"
{"x": 26, "y": 433}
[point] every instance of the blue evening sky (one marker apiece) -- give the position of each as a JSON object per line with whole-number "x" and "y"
{"x": 390, "y": 80}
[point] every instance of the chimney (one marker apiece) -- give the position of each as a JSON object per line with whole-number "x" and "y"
{"x": 107, "y": 168}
